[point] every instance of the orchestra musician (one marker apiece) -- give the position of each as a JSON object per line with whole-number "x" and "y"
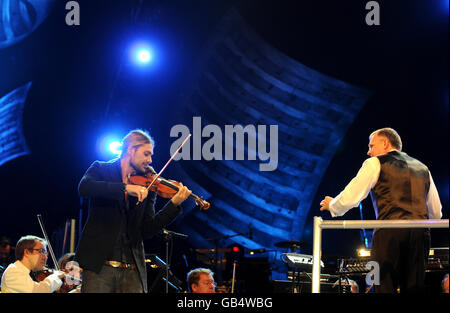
{"x": 201, "y": 280}
{"x": 401, "y": 188}
{"x": 31, "y": 255}
{"x": 111, "y": 250}
{"x": 6, "y": 252}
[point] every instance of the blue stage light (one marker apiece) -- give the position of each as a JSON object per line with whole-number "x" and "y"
{"x": 115, "y": 147}
{"x": 144, "y": 56}
{"x": 141, "y": 53}
{"x": 109, "y": 145}
{"x": 442, "y": 7}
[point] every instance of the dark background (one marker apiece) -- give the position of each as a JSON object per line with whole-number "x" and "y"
{"x": 84, "y": 87}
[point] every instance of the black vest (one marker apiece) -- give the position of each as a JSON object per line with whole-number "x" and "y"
{"x": 402, "y": 188}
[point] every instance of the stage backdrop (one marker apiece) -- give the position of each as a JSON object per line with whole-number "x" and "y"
{"x": 245, "y": 81}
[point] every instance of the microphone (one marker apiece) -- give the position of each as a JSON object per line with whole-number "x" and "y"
{"x": 174, "y": 234}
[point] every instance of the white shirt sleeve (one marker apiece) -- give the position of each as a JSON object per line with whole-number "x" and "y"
{"x": 16, "y": 280}
{"x": 433, "y": 202}
{"x": 358, "y": 188}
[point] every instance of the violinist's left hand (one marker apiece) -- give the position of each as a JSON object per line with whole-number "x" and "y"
{"x": 182, "y": 194}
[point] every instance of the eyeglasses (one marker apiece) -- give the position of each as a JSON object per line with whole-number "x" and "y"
{"x": 41, "y": 251}
{"x": 209, "y": 282}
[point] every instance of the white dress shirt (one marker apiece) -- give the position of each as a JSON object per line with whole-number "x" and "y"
{"x": 366, "y": 178}
{"x": 16, "y": 279}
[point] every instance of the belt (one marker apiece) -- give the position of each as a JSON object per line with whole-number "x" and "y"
{"x": 120, "y": 264}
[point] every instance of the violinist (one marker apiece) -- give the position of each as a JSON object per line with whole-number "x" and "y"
{"x": 31, "y": 255}
{"x": 121, "y": 215}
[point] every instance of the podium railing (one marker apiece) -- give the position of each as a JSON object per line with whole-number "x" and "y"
{"x": 320, "y": 224}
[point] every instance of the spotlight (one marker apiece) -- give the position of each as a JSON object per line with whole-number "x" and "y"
{"x": 144, "y": 55}
{"x": 115, "y": 147}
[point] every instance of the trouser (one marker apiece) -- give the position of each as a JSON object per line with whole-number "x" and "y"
{"x": 402, "y": 255}
{"x": 111, "y": 280}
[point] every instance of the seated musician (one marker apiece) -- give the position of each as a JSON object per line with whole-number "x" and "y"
{"x": 31, "y": 255}
{"x": 200, "y": 280}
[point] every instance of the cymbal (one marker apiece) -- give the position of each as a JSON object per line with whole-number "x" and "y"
{"x": 220, "y": 250}
{"x": 291, "y": 244}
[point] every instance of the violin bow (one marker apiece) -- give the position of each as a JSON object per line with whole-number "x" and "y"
{"x": 168, "y": 162}
{"x": 50, "y": 250}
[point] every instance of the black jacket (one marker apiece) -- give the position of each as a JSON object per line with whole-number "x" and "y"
{"x": 102, "y": 185}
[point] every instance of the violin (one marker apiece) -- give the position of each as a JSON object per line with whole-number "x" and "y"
{"x": 66, "y": 287}
{"x": 163, "y": 187}
{"x": 42, "y": 274}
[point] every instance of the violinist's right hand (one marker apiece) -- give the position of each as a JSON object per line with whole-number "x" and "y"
{"x": 60, "y": 274}
{"x": 137, "y": 191}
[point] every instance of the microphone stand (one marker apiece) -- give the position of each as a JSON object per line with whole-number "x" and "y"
{"x": 168, "y": 236}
